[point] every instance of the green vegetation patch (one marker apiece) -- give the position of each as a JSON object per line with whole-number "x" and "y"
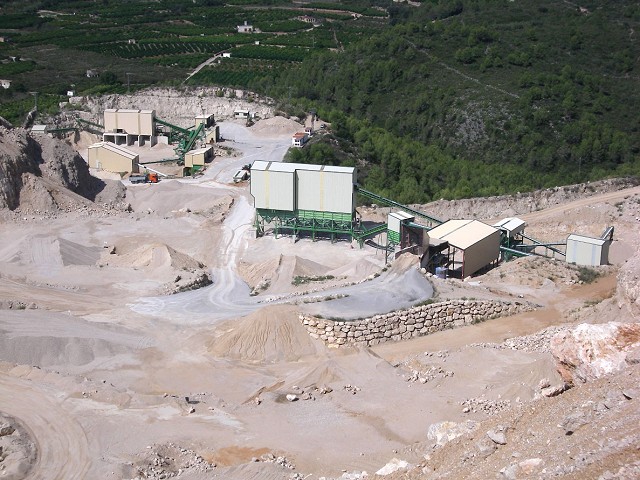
{"x": 301, "y": 279}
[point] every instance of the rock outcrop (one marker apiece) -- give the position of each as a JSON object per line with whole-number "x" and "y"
{"x": 47, "y": 169}
{"x": 588, "y": 352}
{"x": 629, "y": 286}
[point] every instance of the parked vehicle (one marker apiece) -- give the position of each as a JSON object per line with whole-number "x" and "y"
{"x": 143, "y": 178}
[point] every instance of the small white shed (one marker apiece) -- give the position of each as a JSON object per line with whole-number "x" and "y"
{"x": 583, "y": 250}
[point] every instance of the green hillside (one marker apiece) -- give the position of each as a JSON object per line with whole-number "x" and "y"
{"x": 443, "y": 98}
{"x": 461, "y": 98}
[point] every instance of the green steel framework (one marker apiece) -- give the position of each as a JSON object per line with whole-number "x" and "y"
{"x": 313, "y": 222}
{"x": 332, "y": 222}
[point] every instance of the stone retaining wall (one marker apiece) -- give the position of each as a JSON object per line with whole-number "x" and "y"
{"x": 405, "y": 324}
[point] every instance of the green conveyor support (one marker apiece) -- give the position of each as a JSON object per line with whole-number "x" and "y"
{"x": 392, "y": 203}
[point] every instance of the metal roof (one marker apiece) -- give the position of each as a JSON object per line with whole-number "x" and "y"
{"x": 198, "y": 151}
{"x": 331, "y": 168}
{"x": 262, "y": 165}
{"x": 590, "y": 240}
{"x": 462, "y": 234}
{"x": 510, "y": 223}
{"x": 402, "y": 215}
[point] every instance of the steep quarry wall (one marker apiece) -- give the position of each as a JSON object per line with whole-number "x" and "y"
{"x": 177, "y": 106}
{"x": 413, "y": 322}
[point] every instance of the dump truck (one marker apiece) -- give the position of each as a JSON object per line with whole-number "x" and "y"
{"x": 143, "y": 178}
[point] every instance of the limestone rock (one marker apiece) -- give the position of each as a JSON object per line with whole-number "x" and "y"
{"x": 393, "y": 466}
{"x": 443, "y": 432}
{"x": 6, "y": 429}
{"x": 497, "y": 437}
{"x": 588, "y": 351}
{"x": 573, "y": 422}
{"x": 485, "y": 447}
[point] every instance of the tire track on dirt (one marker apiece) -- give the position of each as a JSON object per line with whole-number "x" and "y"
{"x": 61, "y": 442}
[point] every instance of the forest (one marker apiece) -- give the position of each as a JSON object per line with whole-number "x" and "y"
{"x": 480, "y": 97}
{"x": 430, "y": 99}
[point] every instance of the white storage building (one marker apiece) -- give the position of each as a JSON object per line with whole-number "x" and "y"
{"x": 583, "y": 250}
{"x": 302, "y": 188}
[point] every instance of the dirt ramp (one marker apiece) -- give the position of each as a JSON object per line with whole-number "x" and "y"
{"x": 271, "y": 335}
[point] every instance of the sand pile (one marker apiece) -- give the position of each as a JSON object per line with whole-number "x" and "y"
{"x": 171, "y": 196}
{"x": 177, "y": 271}
{"x": 276, "y": 126}
{"x": 270, "y": 335}
{"x": 259, "y": 274}
{"x": 537, "y": 272}
{"x": 303, "y": 267}
{"x": 152, "y": 256}
{"x": 357, "y": 270}
{"x": 405, "y": 262}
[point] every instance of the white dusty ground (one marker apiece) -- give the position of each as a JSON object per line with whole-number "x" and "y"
{"x": 113, "y": 378}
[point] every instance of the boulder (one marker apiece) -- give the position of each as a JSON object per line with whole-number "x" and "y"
{"x": 587, "y": 352}
{"x": 393, "y": 466}
{"x": 443, "y": 432}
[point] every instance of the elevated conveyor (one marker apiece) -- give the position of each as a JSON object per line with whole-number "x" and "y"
{"x": 431, "y": 220}
{"x": 94, "y": 127}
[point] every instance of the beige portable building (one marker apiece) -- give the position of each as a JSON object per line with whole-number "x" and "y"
{"x": 208, "y": 120}
{"x": 133, "y": 122}
{"x": 112, "y": 158}
{"x": 476, "y": 244}
{"x": 198, "y": 157}
{"x": 590, "y": 251}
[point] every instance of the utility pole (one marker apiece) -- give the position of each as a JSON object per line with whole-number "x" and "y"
{"x": 128, "y": 80}
{"x": 35, "y": 94}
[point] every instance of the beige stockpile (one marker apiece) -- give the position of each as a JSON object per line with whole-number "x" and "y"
{"x": 272, "y": 334}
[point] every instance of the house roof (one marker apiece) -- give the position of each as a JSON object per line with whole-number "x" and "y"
{"x": 462, "y": 234}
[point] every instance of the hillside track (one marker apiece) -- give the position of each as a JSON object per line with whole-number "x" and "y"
{"x": 582, "y": 202}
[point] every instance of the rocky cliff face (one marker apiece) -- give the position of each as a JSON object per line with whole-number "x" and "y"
{"x": 176, "y": 106}
{"x": 31, "y": 167}
{"x": 18, "y": 155}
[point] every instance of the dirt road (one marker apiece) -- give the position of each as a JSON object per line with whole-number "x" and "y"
{"x": 609, "y": 197}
